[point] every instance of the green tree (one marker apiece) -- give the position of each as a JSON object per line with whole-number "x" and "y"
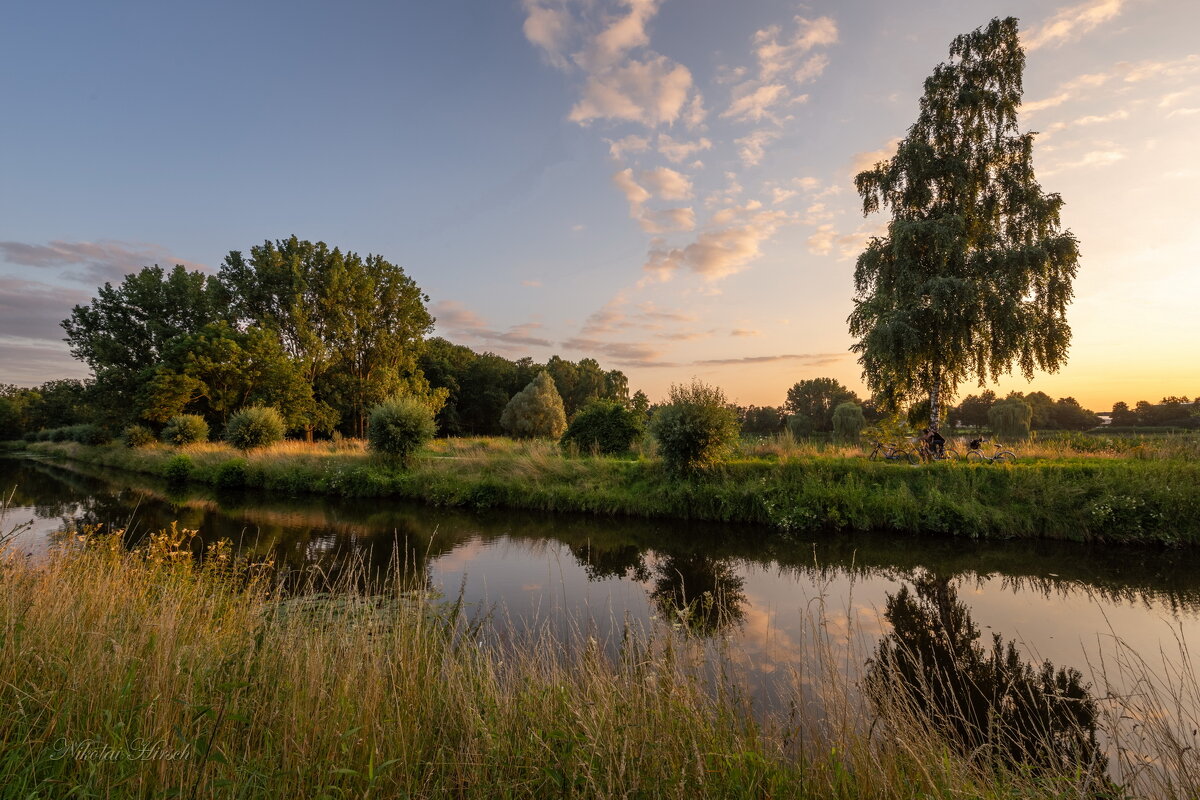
{"x": 536, "y": 411}
{"x": 123, "y": 332}
{"x": 696, "y": 427}
{"x": 974, "y": 274}
{"x": 816, "y": 398}
{"x": 353, "y": 326}
{"x": 1070, "y": 416}
{"x": 640, "y": 404}
{"x": 1122, "y": 415}
{"x": 255, "y": 426}
{"x": 761, "y": 420}
{"x": 401, "y": 426}
{"x": 1010, "y": 418}
{"x": 848, "y": 422}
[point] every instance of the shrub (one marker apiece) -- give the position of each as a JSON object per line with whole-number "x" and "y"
{"x": 535, "y": 411}
{"x": 848, "y": 422}
{"x": 90, "y": 435}
{"x": 59, "y": 434}
{"x": 138, "y": 436}
{"x": 800, "y": 425}
{"x": 605, "y": 426}
{"x": 30, "y": 436}
{"x": 255, "y": 426}
{"x": 695, "y": 428}
{"x": 231, "y": 474}
{"x": 399, "y": 427}
{"x": 179, "y": 468}
{"x": 1010, "y": 419}
{"x": 184, "y": 429}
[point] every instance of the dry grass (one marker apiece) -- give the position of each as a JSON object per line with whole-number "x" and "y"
{"x": 393, "y": 693}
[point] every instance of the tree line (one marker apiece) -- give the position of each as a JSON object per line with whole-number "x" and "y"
{"x": 321, "y": 335}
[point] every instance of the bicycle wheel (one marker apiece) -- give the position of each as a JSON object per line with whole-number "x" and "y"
{"x": 1005, "y": 457}
{"x": 911, "y": 458}
{"x": 950, "y": 454}
{"x": 875, "y": 453}
{"x": 974, "y": 457}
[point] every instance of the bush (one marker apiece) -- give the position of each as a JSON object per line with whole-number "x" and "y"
{"x": 848, "y": 422}
{"x": 535, "y": 411}
{"x": 30, "y": 436}
{"x": 400, "y": 427}
{"x": 138, "y": 436}
{"x": 184, "y": 429}
{"x": 800, "y": 425}
{"x": 90, "y": 435}
{"x": 605, "y": 426}
{"x": 256, "y": 426}
{"x": 59, "y": 434}
{"x": 695, "y": 428}
{"x": 231, "y": 474}
{"x": 1010, "y": 419}
{"x": 178, "y": 469}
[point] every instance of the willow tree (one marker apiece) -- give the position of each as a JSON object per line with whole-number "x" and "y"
{"x": 974, "y": 274}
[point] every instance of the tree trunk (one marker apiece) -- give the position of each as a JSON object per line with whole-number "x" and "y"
{"x": 934, "y": 391}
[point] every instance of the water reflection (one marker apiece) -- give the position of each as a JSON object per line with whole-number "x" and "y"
{"x": 704, "y": 594}
{"x": 988, "y": 702}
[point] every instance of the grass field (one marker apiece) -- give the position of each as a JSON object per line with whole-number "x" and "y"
{"x": 1080, "y": 488}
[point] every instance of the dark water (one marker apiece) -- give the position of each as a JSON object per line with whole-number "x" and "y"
{"x": 751, "y": 592}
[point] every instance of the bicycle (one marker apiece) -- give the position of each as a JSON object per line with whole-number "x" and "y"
{"x": 998, "y": 456}
{"x": 891, "y": 452}
{"x": 942, "y": 454}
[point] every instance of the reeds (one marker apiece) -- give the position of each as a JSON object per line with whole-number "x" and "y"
{"x": 151, "y": 674}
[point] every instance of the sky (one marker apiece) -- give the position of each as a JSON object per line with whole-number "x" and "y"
{"x": 663, "y": 185}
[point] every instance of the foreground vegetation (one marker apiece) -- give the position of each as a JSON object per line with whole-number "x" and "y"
{"x": 1081, "y": 488}
{"x": 147, "y": 673}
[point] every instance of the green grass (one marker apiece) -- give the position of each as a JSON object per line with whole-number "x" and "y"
{"x": 1144, "y": 492}
{"x": 253, "y": 693}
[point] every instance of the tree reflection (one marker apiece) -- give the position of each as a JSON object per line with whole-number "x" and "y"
{"x": 704, "y": 594}
{"x": 622, "y": 561}
{"x": 989, "y": 703}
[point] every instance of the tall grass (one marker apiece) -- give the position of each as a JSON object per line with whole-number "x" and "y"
{"x": 148, "y": 673}
{"x": 1145, "y": 496}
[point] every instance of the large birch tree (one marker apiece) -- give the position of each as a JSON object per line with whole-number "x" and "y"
{"x": 974, "y": 275}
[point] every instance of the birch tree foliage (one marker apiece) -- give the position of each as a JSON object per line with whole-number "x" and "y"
{"x": 974, "y": 275}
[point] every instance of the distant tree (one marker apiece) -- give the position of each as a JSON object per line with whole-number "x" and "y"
{"x": 848, "y": 422}
{"x": 696, "y": 427}
{"x": 536, "y": 411}
{"x": 1009, "y": 419}
{"x": 799, "y": 425}
{"x": 640, "y": 404}
{"x": 972, "y": 411}
{"x": 1070, "y": 416}
{"x": 1122, "y": 415}
{"x": 761, "y": 420}
{"x": 816, "y": 398}
{"x": 974, "y": 274}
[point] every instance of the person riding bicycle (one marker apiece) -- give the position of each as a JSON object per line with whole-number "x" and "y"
{"x": 933, "y": 442}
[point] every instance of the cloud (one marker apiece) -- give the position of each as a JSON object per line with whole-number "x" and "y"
{"x": 811, "y": 69}
{"x": 1095, "y": 158}
{"x": 752, "y": 101}
{"x": 630, "y": 144}
{"x": 548, "y": 27}
{"x": 679, "y": 151}
{"x": 718, "y": 252}
{"x": 821, "y": 241}
{"x": 667, "y": 183}
{"x": 651, "y": 92}
{"x": 1071, "y": 23}
{"x": 868, "y": 160}
{"x": 102, "y": 261}
{"x": 625, "y": 354}
{"x": 810, "y": 359}
{"x": 32, "y": 311}
{"x": 668, "y": 220}
{"x": 752, "y": 147}
{"x": 776, "y": 57}
{"x": 457, "y": 319}
{"x": 620, "y": 36}
{"x": 744, "y": 332}
{"x": 532, "y": 284}
{"x": 646, "y": 316}
{"x": 634, "y": 193}
{"x": 781, "y": 195}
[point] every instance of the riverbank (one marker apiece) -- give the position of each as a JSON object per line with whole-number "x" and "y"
{"x": 147, "y": 673}
{"x": 1110, "y": 499}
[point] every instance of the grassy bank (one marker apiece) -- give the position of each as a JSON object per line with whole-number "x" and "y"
{"x": 147, "y": 674}
{"x": 1141, "y": 494}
